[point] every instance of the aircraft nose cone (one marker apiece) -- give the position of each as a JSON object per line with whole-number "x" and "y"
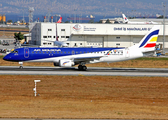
{"x": 5, "y": 58}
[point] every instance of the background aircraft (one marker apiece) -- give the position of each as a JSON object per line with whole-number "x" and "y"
{"x": 60, "y": 20}
{"x": 130, "y": 22}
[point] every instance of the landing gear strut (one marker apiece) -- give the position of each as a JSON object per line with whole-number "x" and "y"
{"x": 82, "y": 67}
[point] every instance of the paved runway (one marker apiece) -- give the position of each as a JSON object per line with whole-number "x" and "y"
{"x": 64, "y": 119}
{"x": 14, "y": 70}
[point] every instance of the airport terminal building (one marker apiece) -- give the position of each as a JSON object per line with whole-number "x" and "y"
{"x": 93, "y": 35}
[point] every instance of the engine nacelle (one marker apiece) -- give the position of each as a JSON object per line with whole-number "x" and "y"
{"x": 66, "y": 63}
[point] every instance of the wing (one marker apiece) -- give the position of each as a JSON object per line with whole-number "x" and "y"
{"x": 58, "y": 43}
{"x": 85, "y": 59}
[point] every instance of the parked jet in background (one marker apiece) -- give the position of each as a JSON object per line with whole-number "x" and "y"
{"x": 68, "y": 57}
{"x": 58, "y": 43}
{"x": 60, "y": 20}
{"x": 130, "y": 22}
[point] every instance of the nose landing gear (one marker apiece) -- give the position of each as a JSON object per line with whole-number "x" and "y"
{"x": 21, "y": 65}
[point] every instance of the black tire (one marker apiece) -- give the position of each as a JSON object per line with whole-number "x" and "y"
{"x": 21, "y": 67}
{"x": 80, "y": 67}
{"x": 84, "y": 68}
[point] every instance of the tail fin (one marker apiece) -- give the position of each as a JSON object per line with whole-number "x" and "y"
{"x": 60, "y": 20}
{"x": 148, "y": 42}
{"x": 125, "y": 18}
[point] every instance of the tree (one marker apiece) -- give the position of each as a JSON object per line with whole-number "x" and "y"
{"x": 160, "y": 16}
{"x": 107, "y": 21}
{"x": 100, "y": 21}
{"x": 66, "y": 21}
{"x": 18, "y": 36}
{"x": 9, "y": 21}
{"x": 91, "y": 21}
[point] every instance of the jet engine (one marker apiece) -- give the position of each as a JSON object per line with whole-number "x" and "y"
{"x": 66, "y": 63}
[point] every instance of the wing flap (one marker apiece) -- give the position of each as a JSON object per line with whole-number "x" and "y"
{"x": 85, "y": 59}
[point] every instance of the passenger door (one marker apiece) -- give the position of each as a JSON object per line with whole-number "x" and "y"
{"x": 127, "y": 53}
{"x": 26, "y": 52}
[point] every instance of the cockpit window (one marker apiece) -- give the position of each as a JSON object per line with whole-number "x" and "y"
{"x": 15, "y": 51}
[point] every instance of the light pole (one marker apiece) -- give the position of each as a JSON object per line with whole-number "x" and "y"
{"x": 74, "y": 15}
{"x": 164, "y": 5}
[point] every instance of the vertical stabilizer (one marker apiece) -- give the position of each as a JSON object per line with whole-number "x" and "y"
{"x": 148, "y": 42}
{"x": 60, "y": 20}
{"x": 125, "y": 18}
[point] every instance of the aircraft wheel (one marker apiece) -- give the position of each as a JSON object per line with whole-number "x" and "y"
{"x": 80, "y": 67}
{"x": 21, "y": 67}
{"x": 84, "y": 68}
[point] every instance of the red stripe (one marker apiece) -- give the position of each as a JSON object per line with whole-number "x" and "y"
{"x": 150, "y": 45}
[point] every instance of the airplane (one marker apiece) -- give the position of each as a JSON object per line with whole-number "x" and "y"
{"x": 68, "y": 57}
{"x": 130, "y": 22}
{"x": 60, "y": 20}
{"x": 58, "y": 43}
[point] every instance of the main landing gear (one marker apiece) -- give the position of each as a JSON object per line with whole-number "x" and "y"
{"x": 82, "y": 67}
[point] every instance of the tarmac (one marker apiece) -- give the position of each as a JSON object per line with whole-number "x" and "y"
{"x": 91, "y": 71}
{"x": 63, "y": 119}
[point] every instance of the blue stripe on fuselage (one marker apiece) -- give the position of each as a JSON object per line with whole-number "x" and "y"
{"x": 42, "y": 53}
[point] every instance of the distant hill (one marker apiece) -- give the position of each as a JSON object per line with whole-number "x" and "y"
{"x": 95, "y": 7}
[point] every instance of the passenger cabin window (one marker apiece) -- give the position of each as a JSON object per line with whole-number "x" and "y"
{"x": 62, "y": 29}
{"x": 49, "y": 29}
{"x": 44, "y": 36}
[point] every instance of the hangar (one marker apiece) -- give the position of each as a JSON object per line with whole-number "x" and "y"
{"x": 92, "y": 35}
